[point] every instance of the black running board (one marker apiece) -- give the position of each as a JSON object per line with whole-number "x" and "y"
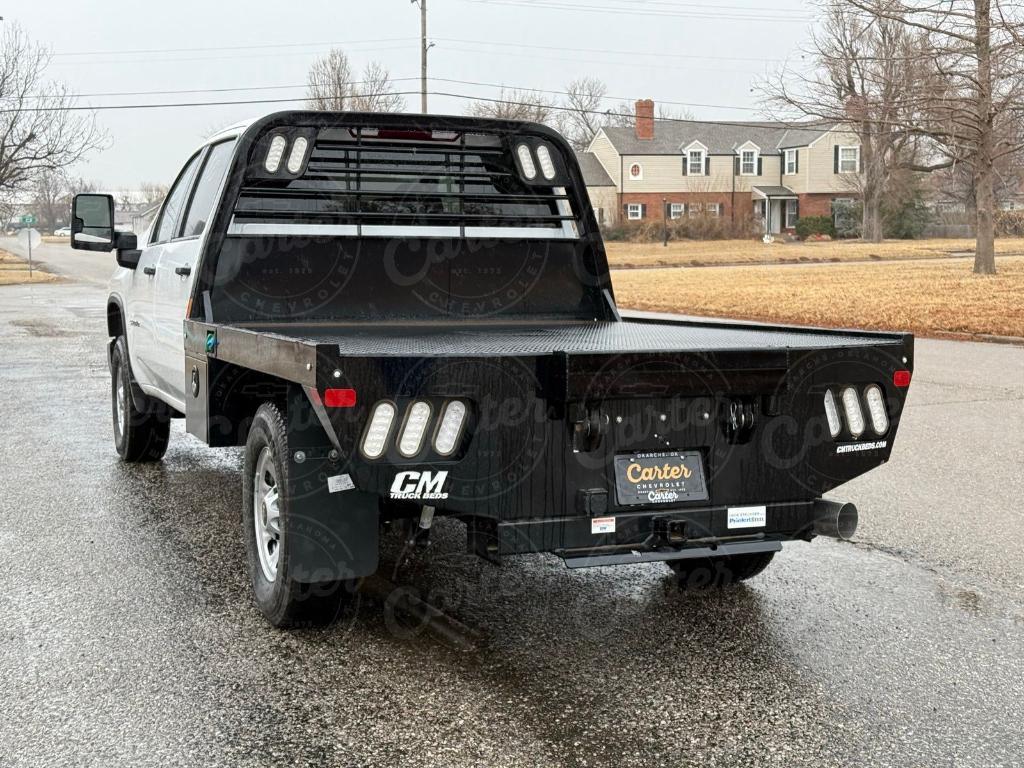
{"x": 629, "y": 557}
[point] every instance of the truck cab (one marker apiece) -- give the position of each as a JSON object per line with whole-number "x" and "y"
{"x": 402, "y": 317}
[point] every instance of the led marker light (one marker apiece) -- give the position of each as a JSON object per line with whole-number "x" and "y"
{"x": 835, "y": 426}
{"x": 526, "y": 161}
{"x": 547, "y": 166}
{"x": 453, "y": 417}
{"x": 876, "y": 409}
{"x": 298, "y": 154}
{"x": 415, "y": 428}
{"x": 275, "y": 153}
{"x": 854, "y": 415}
{"x": 378, "y": 430}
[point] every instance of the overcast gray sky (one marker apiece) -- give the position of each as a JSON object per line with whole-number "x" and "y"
{"x": 701, "y": 53}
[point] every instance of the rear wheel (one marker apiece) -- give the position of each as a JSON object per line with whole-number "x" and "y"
{"x": 715, "y": 572}
{"x": 139, "y": 436}
{"x": 266, "y": 526}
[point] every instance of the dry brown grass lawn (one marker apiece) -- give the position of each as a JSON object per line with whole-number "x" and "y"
{"x": 14, "y": 270}
{"x": 931, "y": 298}
{"x": 710, "y": 252}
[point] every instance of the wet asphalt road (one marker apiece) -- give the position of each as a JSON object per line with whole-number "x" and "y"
{"x": 128, "y": 637}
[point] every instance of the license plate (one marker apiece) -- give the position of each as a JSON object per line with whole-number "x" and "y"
{"x": 666, "y": 477}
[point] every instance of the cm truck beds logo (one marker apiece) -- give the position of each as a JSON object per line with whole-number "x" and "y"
{"x": 858, "y": 447}
{"x": 419, "y": 485}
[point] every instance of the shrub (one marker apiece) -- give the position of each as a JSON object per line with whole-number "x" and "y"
{"x": 686, "y": 228}
{"x": 814, "y": 225}
{"x": 1010, "y": 223}
{"x": 848, "y": 217}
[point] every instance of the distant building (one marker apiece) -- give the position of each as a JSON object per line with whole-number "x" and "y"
{"x": 774, "y": 171}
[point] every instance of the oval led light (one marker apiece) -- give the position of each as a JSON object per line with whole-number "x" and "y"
{"x": 547, "y": 166}
{"x": 275, "y": 153}
{"x": 297, "y": 155}
{"x": 876, "y": 409}
{"x": 378, "y": 430}
{"x": 415, "y": 428}
{"x": 835, "y": 426}
{"x": 450, "y": 428}
{"x": 854, "y": 414}
{"x": 526, "y": 161}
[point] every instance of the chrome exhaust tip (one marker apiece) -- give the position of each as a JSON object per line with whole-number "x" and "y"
{"x": 835, "y": 519}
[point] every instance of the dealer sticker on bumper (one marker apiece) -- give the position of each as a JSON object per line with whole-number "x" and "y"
{"x": 747, "y": 517}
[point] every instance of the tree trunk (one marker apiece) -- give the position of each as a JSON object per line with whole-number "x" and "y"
{"x": 871, "y": 222}
{"x": 984, "y": 178}
{"x": 985, "y": 246}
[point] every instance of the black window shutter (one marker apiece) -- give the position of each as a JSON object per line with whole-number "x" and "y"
{"x": 860, "y": 159}
{"x": 736, "y": 166}
{"x": 835, "y": 159}
{"x": 707, "y": 165}
{"x": 796, "y": 153}
{"x": 643, "y": 210}
{"x": 625, "y": 210}
{"x": 759, "y": 166}
{"x": 686, "y": 164}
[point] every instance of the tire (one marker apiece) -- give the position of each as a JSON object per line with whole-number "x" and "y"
{"x": 284, "y": 601}
{"x": 702, "y": 573}
{"x": 139, "y": 436}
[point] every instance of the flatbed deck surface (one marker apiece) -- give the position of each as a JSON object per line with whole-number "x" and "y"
{"x": 475, "y": 339}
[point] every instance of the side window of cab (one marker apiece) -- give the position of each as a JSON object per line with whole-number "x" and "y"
{"x": 168, "y": 224}
{"x": 215, "y": 168}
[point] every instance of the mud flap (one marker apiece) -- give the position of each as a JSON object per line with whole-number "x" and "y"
{"x": 330, "y": 536}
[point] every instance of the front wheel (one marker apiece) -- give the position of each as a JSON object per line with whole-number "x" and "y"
{"x": 715, "y": 572}
{"x": 138, "y": 436}
{"x": 266, "y": 525}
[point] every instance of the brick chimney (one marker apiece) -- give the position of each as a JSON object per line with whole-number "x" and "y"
{"x": 645, "y": 119}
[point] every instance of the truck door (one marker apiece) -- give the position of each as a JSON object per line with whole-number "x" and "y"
{"x": 143, "y": 317}
{"x": 177, "y": 267}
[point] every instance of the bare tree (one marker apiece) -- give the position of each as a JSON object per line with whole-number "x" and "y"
{"x": 513, "y": 104}
{"x": 976, "y": 49}
{"x": 40, "y": 131}
{"x": 582, "y": 115}
{"x": 51, "y": 198}
{"x": 862, "y": 67}
{"x": 330, "y": 85}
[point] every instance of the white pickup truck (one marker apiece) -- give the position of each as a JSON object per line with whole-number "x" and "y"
{"x": 403, "y": 316}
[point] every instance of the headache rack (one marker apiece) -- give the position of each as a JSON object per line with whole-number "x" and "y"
{"x": 369, "y": 182}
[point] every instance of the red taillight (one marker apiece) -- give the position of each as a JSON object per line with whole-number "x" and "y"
{"x": 339, "y": 398}
{"x": 901, "y": 379}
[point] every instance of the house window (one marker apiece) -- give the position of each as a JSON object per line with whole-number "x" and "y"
{"x": 696, "y": 209}
{"x": 695, "y": 162}
{"x": 714, "y": 209}
{"x": 748, "y": 162}
{"x": 634, "y": 212}
{"x": 792, "y": 213}
{"x": 677, "y": 210}
{"x": 636, "y": 171}
{"x": 790, "y": 161}
{"x": 599, "y": 212}
{"x": 849, "y": 159}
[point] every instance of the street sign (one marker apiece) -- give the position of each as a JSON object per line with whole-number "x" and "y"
{"x": 28, "y": 220}
{"x": 29, "y": 238}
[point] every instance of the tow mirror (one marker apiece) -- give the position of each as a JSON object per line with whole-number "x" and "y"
{"x": 92, "y": 223}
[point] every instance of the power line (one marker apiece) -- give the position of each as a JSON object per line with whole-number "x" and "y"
{"x": 232, "y": 47}
{"x": 563, "y": 5}
{"x": 611, "y": 51}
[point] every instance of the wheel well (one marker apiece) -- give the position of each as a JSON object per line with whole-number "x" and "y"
{"x": 115, "y": 321}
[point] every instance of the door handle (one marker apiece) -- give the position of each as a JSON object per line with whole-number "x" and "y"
{"x": 149, "y": 270}
{"x": 183, "y": 271}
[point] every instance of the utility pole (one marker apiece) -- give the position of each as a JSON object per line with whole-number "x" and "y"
{"x": 424, "y": 47}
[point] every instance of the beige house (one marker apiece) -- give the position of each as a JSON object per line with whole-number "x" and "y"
{"x": 773, "y": 171}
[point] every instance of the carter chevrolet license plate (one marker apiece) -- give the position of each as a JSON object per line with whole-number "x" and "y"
{"x": 660, "y": 478}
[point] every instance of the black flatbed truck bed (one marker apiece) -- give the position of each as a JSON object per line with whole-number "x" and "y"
{"x": 403, "y": 316}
